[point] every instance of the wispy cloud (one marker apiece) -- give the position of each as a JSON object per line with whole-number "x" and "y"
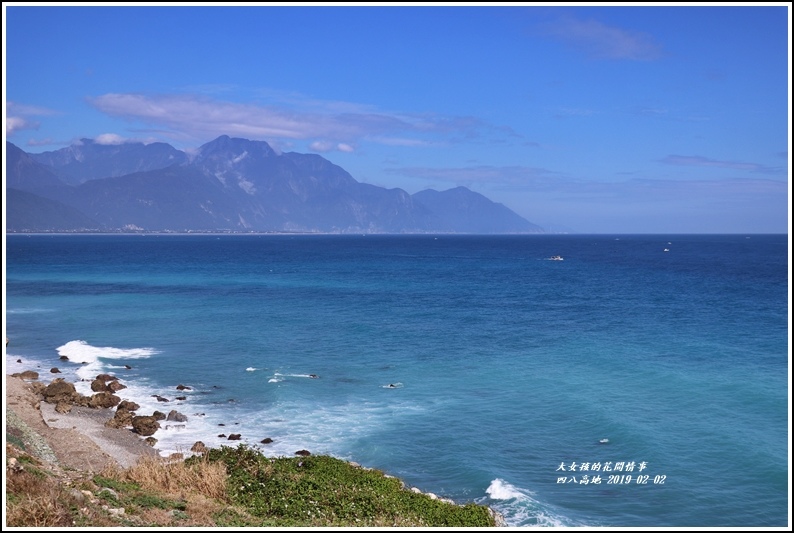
{"x": 327, "y": 146}
{"x": 514, "y": 176}
{"x": 329, "y": 125}
{"x": 15, "y": 124}
{"x": 601, "y": 41}
{"x": 565, "y": 112}
{"x": 700, "y": 161}
{"x": 110, "y": 139}
{"x": 551, "y": 184}
{"x": 19, "y": 117}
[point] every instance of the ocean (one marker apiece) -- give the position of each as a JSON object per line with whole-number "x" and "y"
{"x": 640, "y": 381}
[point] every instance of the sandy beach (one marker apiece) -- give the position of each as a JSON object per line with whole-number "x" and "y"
{"x": 76, "y": 440}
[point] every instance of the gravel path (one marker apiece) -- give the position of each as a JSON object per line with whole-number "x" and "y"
{"x": 77, "y": 440}
{"x": 33, "y": 443}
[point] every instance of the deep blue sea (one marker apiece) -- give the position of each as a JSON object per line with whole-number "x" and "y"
{"x": 507, "y": 369}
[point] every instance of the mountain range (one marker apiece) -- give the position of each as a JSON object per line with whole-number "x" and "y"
{"x": 227, "y": 185}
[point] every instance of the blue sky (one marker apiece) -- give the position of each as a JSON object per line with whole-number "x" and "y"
{"x": 596, "y": 119}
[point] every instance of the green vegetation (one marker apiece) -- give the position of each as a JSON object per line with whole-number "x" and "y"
{"x": 322, "y": 490}
{"x": 225, "y": 487}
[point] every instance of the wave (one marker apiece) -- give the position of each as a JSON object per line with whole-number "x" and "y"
{"x": 90, "y": 356}
{"x": 27, "y": 311}
{"x": 520, "y": 509}
{"x": 82, "y": 352}
{"x": 279, "y": 376}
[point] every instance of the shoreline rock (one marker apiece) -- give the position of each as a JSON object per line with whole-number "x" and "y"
{"x": 85, "y": 438}
{"x": 78, "y": 438}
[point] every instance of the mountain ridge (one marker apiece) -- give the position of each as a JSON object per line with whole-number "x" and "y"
{"x": 232, "y": 184}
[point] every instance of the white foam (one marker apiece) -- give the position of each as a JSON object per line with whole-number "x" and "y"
{"x": 520, "y": 509}
{"x": 91, "y": 356}
{"x": 27, "y": 311}
{"x": 82, "y": 352}
{"x": 278, "y": 376}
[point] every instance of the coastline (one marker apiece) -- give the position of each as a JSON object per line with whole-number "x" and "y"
{"x": 78, "y": 442}
{"x": 78, "y": 439}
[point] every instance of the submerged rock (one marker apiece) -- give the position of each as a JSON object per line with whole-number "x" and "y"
{"x": 176, "y": 416}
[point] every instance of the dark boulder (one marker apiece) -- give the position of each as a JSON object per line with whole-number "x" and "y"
{"x": 176, "y": 416}
{"x": 121, "y": 419}
{"x": 104, "y": 400}
{"x": 115, "y": 386}
{"x": 127, "y": 405}
{"x": 27, "y": 374}
{"x": 145, "y": 425}
{"x": 60, "y": 391}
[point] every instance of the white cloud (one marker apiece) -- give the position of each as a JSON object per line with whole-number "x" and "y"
{"x": 18, "y": 116}
{"x": 327, "y": 146}
{"x": 110, "y": 139}
{"x": 15, "y": 124}
{"x": 700, "y": 161}
{"x": 604, "y": 42}
{"x": 338, "y": 124}
{"x": 321, "y": 146}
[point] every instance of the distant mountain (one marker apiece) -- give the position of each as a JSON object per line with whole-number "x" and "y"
{"x": 24, "y": 173}
{"x": 232, "y": 184}
{"x": 30, "y": 212}
{"x": 87, "y": 159}
{"x": 461, "y": 210}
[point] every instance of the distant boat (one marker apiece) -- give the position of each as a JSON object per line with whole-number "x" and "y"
{"x": 555, "y": 258}
{"x": 667, "y": 249}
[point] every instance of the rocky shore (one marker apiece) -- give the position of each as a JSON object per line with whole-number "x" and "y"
{"x": 75, "y": 438}
{"x": 86, "y": 434}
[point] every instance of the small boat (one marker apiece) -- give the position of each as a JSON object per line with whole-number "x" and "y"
{"x": 555, "y": 258}
{"x": 667, "y": 249}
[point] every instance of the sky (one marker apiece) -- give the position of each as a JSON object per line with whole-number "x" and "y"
{"x": 646, "y": 118}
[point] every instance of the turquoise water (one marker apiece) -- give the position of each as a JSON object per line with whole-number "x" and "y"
{"x": 507, "y": 368}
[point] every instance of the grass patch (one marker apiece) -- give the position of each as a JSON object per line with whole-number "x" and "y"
{"x": 14, "y": 436}
{"x": 115, "y": 484}
{"x": 324, "y": 491}
{"x": 226, "y": 487}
